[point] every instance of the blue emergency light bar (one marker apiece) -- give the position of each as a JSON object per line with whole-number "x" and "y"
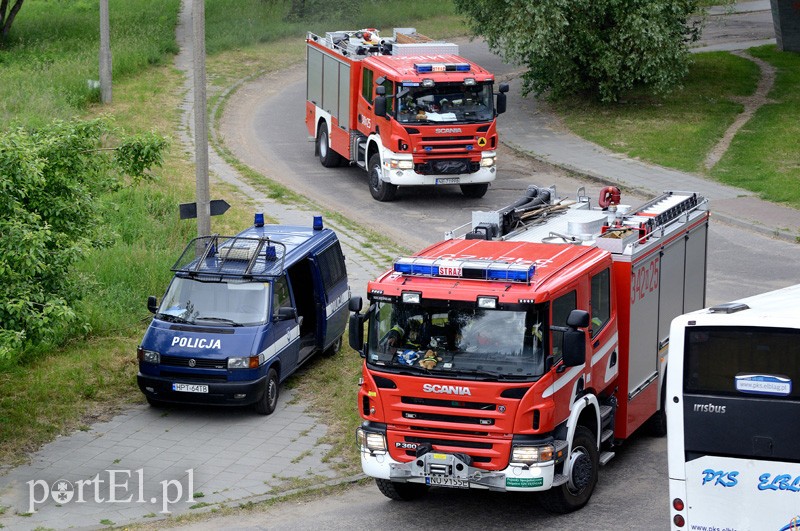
{"x": 467, "y": 269}
{"x": 426, "y": 68}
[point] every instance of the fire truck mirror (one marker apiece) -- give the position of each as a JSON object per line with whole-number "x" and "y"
{"x": 501, "y": 103}
{"x": 355, "y": 304}
{"x": 380, "y": 105}
{"x": 503, "y": 87}
{"x": 574, "y": 347}
{"x": 356, "y": 333}
{"x": 578, "y": 319}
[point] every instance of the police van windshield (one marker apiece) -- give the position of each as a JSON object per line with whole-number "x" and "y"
{"x": 232, "y": 303}
{"x": 468, "y": 342}
{"x": 445, "y": 102}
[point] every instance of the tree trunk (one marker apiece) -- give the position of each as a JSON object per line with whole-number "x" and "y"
{"x": 6, "y": 22}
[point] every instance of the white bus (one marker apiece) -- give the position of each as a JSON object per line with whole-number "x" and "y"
{"x": 733, "y": 414}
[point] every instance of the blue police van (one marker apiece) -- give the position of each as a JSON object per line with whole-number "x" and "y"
{"x": 242, "y": 313}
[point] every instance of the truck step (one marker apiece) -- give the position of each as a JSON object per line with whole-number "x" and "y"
{"x": 606, "y": 435}
{"x": 559, "y": 479}
{"x": 605, "y": 413}
{"x": 605, "y": 457}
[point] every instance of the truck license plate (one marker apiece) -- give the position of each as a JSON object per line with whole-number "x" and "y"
{"x": 448, "y": 180}
{"x": 445, "y": 481}
{"x": 189, "y": 388}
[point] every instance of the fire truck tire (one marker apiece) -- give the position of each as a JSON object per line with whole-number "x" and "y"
{"x": 657, "y": 424}
{"x": 269, "y": 400}
{"x": 581, "y": 469}
{"x": 380, "y": 189}
{"x": 474, "y": 191}
{"x": 328, "y": 157}
{"x": 401, "y": 491}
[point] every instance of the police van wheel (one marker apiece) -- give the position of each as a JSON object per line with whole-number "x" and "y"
{"x": 334, "y": 348}
{"x": 581, "y": 469}
{"x": 401, "y": 491}
{"x": 474, "y": 191}
{"x": 267, "y": 403}
{"x": 155, "y": 403}
{"x": 380, "y": 189}
{"x": 328, "y": 157}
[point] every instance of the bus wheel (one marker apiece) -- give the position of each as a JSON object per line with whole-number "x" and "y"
{"x": 401, "y": 491}
{"x": 474, "y": 191}
{"x": 328, "y": 157}
{"x": 581, "y": 471}
{"x": 269, "y": 400}
{"x": 380, "y": 189}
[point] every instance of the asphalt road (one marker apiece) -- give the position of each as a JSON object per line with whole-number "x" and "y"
{"x": 264, "y": 128}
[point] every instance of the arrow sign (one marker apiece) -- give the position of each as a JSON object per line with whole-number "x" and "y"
{"x": 189, "y": 210}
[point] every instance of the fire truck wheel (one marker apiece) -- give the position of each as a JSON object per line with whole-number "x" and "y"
{"x": 380, "y": 189}
{"x": 657, "y": 424}
{"x": 401, "y": 491}
{"x": 474, "y": 191}
{"x": 581, "y": 471}
{"x": 266, "y": 404}
{"x": 328, "y": 157}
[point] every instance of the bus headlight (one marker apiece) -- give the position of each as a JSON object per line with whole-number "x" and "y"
{"x": 374, "y": 442}
{"x": 529, "y": 455}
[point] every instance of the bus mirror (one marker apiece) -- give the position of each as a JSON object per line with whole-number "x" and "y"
{"x": 356, "y": 333}
{"x": 501, "y": 103}
{"x": 355, "y": 304}
{"x": 152, "y": 303}
{"x": 380, "y": 105}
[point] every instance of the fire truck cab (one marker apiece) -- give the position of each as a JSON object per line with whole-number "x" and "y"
{"x": 517, "y": 357}
{"x": 407, "y": 109}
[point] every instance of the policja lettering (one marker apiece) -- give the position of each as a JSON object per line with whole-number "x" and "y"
{"x": 196, "y": 342}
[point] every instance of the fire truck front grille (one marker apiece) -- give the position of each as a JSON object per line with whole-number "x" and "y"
{"x": 448, "y": 418}
{"x": 447, "y": 139}
{"x": 447, "y": 167}
{"x": 454, "y": 432}
{"x": 459, "y": 404}
{"x": 184, "y": 377}
{"x": 471, "y": 448}
{"x": 177, "y": 361}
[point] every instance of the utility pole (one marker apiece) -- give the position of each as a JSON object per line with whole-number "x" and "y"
{"x": 105, "y": 54}
{"x": 200, "y": 125}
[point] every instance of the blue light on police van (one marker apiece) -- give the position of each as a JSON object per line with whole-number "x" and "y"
{"x": 317, "y": 222}
{"x": 423, "y": 68}
{"x": 270, "y": 252}
{"x": 259, "y": 219}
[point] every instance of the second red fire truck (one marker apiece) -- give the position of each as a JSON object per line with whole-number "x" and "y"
{"x": 407, "y": 109}
{"x": 517, "y": 357}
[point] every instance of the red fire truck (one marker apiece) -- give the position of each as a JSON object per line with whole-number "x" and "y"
{"x": 407, "y": 109}
{"x": 518, "y": 356}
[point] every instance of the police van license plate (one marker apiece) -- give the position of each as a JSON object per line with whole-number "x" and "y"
{"x": 189, "y": 388}
{"x": 448, "y": 180}
{"x": 445, "y": 481}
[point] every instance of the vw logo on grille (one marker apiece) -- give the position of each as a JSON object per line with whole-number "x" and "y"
{"x": 192, "y": 362}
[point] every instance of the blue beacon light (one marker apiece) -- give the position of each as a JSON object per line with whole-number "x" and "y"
{"x": 259, "y": 219}
{"x": 317, "y": 222}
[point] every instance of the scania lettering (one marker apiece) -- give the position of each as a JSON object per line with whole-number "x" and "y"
{"x": 733, "y": 400}
{"x": 380, "y": 103}
{"x": 240, "y": 318}
{"x": 521, "y": 351}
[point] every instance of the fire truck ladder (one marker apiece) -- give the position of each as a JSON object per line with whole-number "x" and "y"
{"x": 661, "y": 211}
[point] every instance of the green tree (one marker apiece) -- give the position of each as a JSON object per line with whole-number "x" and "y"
{"x": 7, "y": 16}
{"x": 598, "y": 47}
{"x": 49, "y": 181}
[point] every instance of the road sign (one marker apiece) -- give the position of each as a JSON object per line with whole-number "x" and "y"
{"x": 189, "y": 210}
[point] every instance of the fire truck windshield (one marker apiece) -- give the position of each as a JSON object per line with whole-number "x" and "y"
{"x": 466, "y": 342}
{"x": 232, "y": 303}
{"x": 445, "y": 102}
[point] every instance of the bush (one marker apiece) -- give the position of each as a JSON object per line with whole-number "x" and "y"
{"x": 49, "y": 182}
{"x": 599, "y": 47}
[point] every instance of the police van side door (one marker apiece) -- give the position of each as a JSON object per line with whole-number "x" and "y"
{"x": 334, "y": 293}
{"x": 284, "y": 334}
